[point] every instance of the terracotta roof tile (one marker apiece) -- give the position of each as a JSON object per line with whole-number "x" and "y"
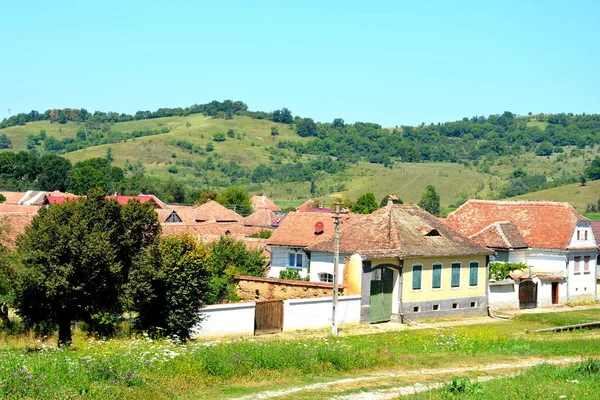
{"x": 500, "y": 235}
{"x": 298, "y": 229}
{"x": 544, "y": 225}
{"x": 15, "y": 223}
{"x": 213, "y": 211}
{"x": 210, "y": 228}
{"x": 263, "y": 203}
{"x": 264, "y": 218}
{"x": 400, "y": 231}
{"x": 308, "y": 204}
{"x": 596, "y": 230}
{"x": 12, "y": 197}
{"x": 186, "y": 213}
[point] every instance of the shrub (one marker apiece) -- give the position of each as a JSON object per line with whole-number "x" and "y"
{"x": 462, "y": 385}
{"x": 291, "y": 274}
{"x": 219, "y": 137}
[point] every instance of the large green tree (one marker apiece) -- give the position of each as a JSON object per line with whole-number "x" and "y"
{"x": 592, "y": 172}
{"x": 365, "y": 204}
{"x": 168, "y": 286}
{"x": 94, "y": 173}
{"x": 54, "y": 172}
{"x": 231, "y": 258}
{"x": 235, "y": 198}
{"x": 75, "y": 258}
{"x": 430, "y": 200}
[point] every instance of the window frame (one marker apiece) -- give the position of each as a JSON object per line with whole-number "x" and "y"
{"x": 476, "y": 269}
{"x": 452, "y": 267}
{"x": 327, "y": 274}
{"x": 433, "y": 268}
{"x": 586, "y": 264}
{"x": 576, "y": 265}
{"x": 297, "y": 255}
{"x": 420, "y": 269}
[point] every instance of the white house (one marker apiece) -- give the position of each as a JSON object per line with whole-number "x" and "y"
{"x": 296, "y": 232}
{"x": 554, "y": 240}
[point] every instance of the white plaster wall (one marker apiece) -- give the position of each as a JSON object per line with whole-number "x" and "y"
{"x": 540, "y": 259}
{"x": 323, "y": 263}
{"x": 226, "y": 319}
{"x": 583, "y": 228}
{"x": 582, "y": 285}
{"x": 504, "y": 296}
{"x": 280, "y": 259}
{"x": 317, "y": 312}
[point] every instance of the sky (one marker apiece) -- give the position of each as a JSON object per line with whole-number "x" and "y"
{"x": 390, "y": 62}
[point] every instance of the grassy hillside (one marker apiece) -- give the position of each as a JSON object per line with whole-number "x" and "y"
{"x": 579, "y": 196}
{"x": 253, "y": 144}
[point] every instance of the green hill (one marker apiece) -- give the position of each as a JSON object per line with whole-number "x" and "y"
{"x": 575, "y": 194}
{"x": 493, "y": 157}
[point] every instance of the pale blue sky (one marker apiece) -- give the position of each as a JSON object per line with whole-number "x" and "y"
{"x": 391, "y": 62}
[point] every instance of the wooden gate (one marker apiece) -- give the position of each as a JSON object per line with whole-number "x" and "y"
{"x": 268, "y": 317}
{"x": 527, "y": 294}
{"x": 381, "y": 296}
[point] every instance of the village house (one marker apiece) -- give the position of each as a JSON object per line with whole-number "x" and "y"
{"x": 554, "y": 240}
{"x": 295, "y": 233}
{"x": 264, "y": 203}
{"x": 405, "y": 263}
{"x": 264, "y": 218}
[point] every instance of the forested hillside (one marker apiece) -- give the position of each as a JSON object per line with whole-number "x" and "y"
{"x": 219, "y": 144}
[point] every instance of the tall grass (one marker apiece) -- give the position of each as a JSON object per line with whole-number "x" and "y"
{"x": 145, "y": 368}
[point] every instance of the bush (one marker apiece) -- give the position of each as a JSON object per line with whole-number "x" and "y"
{"x": 462, "y": 385}
{"x": 172, "y": 169}
{"x": 219, "y": 137}
{"x": 292, "y": 274}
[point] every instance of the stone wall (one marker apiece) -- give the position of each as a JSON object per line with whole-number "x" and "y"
{"x": 250, "y": 288}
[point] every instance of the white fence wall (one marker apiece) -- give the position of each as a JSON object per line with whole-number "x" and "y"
{"x": 227, "y": 319}
{"x": 316, "y": 312}
{"x": 238, "y": 318}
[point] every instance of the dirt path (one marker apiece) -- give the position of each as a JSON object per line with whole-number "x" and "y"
{"x": 404, "y": 390}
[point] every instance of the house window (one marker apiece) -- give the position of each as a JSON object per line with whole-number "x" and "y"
{"x": 455, "y": 305}
{"x": 578, "y": 234}
{"x": 473, "y": 273}
{"x": 473, "y": 304}
{"x": 436, "y": 281}
{"x": 576, "y": 261}
{"x": 455, "y": 275}
{"x": 586, "y": 264}
{"x": 416, "y": 281}
{"x": 325, "y": 277}
{"x": 436, "y": 307}
{"x": 295, "y": 260}
{"x": 585, "y": 234}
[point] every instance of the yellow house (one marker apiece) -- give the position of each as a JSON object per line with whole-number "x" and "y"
{"x": 406, "y": 264}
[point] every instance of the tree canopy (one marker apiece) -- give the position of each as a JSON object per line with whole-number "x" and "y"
{"x": 430, "y": 200}
{"x": 365, "y": 204}
{"x": 76, "y": 257}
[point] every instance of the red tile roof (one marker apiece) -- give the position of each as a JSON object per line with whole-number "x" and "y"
{"x": 210, "y": 228}
{"x": 298, "y": 229}
{"x": 263, "y": 203}
{"x": 543, "y": 225}
{"x": 500, "y": 235}
{"x": 400, "y": 231}
{"x": 141, "y": 198}
{"x": 263, "y": 218}
{"x": 213, "y": 211}
{"x": 308, "y": 204}
{"x": 596, "y": 230}
{"x": 15, "y": 224}
{"x": 12, "y": 197}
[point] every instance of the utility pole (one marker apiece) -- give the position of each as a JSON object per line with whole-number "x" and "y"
{"x": 336, "y": 257}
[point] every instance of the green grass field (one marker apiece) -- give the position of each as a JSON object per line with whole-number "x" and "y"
{"x": 144, "y": 368}
{"x": 579, "y": 196}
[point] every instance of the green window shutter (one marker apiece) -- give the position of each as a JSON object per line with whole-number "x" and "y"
{"x": 455, "y": 275}
{"x": 437, "y": 276}
{"x": 417, "y": 269}
{"x": 473, "y": 273}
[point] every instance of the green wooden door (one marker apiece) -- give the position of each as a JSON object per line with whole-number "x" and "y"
{"x": 381, "y": 296}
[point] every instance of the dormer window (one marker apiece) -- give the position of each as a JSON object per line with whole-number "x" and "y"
{"x": 433, "y": 232}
